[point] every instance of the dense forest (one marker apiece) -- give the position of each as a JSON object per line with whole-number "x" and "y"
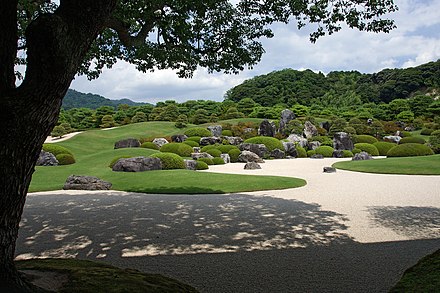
{"x": 75, "y": 99}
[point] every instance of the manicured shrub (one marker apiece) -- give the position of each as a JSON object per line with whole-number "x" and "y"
{"x": 405, "y": 134}
{"x": 233, "y": 154}
{"x": 367, "y": 147}
{"x": 364, "y": 138}
{"x": 116, "y": 159}
{"x": 301, "y": 152}
{"x": 65, "y": 159}
{"x": 194, "y": 138}
{"x": 56, "y": 149}
{"x": 149, "y": 145}
{"x": 177, "y": 148}
{"x": 226, "y": 148}
{"x": 412, "y": 139}
{"x": 206, "y": 161}
{"x": 218, "y": 161}
{"x": 310, "y": 153}
{"x": 350, "y": 130}
{"x": 356, "y": 151}
{"x": 434, "y": 141}
{"x": 227, "y": 132}
{"x": 201, "y": 165}
{"x": 209, "y": 147}
{"x": 325, "y": 151}
{"x": 198, "y": 131}
{"x": 347, "y": 154}
{"x": 409, "y": 150}
{"x": 170, "y": 161}
{"x": 270, "y": 142}
{"x": 383, "y": 147}
{"x": 191, "y": 143}
{"x": 426, "y": 131}
{"x": 324, "y": 140}
{"x": 214, "y": 152}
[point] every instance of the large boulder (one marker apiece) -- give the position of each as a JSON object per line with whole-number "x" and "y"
{"x": 179, "y": 138}
{"x": 137, "y": 164}
{"x": 286, "y": 116}
{"x": 196, "y": 156}
{"x": 342, "y": 141}
{"x": 313, "y": 145}
{"x": 190, "y": 164}
{"x": 210, "y": 140}
{"x": 290, "y": 149}
{"x": 267, "y": 128}
{"x": 216, "y": 130}
{"x": 226, "y": 158}
{"x": 392, "y": 138}
{"x": 338, "y": 154}
{"x": 234, "y": 140}
{"x": 86, "y": 183}
{"x": 252, "y": 166}
{"x": 295, "y": 138}
{"x": 259, "y": 149}
{"x": 47, "y": 159}
{"x": 247, "y": 156}
{"x": 160, "y": 141}
{"x": 362, "y": 156}
{"x": 310, "y": 130}
{"x": 127, "y": 143}
{"x": 278, "y": 154}
{"x": 326, "y": 125}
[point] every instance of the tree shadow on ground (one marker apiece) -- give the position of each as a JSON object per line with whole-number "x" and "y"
{"x": 114, "y": 225}
{"x": 410, "y": 221}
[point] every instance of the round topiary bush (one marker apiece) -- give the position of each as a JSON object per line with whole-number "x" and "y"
{"x": 226, "y": 148}
{"x": 347, "y": 154}
{"x": 227, "y": 132}
{"x": 65, "y": 159}
{"x": 364, "y": 138}
{"x": 325, "y": 151}
{"x": 367, "y": 147}
{"x": 116, "y": 159}
{"x": 310, "y": 153}
{"x": 191, "y": 143}
{"x": 170, "y": 161}
{"x": 201, "y": 165}
{"x": 301, "y": 152}
{"x": 350, "y": 130}
{"x": 356, "y": 151}
{"x": 218, "y": 161}
{"x": 434, "y": 141}
{"x": 270, "y": 142}
{"x": 409, "y": 150}
{"x": 405, "y": 134}
{"x": 177, "y": 148}
{"x": 233, "y": 154}
{"x": 383, "y": 147}
{"x": 56, "y": 149}
{"x": 149, "y": 145}
{"x": 194, "y": 138}
{"x": 209, "y": 147}
{"x": 324, "y": 140}
{"x": 214, "y": 152}
{"x": 198, "y": 131}
{"x": 426, "y": 131}
{"x": 206, "y": 161}
{"x": 412, "y": 139}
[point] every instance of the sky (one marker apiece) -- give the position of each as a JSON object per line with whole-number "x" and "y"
{"x": 415, "y": 41}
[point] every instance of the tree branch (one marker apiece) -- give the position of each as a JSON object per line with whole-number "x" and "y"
{"x": 124, "y": 35}
{"x": 8, "y": 44}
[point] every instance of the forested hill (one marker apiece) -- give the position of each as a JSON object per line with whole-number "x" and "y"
{"x": 75, "y": 99}
{"x": 338, "y": 88}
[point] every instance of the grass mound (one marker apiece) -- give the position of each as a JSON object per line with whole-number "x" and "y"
{"x": 170, "y": 161}
{"x": 177, "y": 148}
{"x": 410, "y": 150}
{"x": 56, "y": 149}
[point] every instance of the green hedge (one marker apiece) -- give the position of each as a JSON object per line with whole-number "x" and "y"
{"x": 56, "y": 149}
{"x": 412, "y": 139}
{"x": 149, "y": 145}
{"x": 324, "y": 140}
{"x": 218, "y": 161}
{"x": 201, "y": 165}
{"x": 233, "y": 154}
{"x": 410, "y": 150}
{"x": 209, "y": 147}
{"x": 301, "y": 152}
{"x": 115, "y": 159}
{"x": 310, "y": 153}
{"x": 356, "y": 151}
{"x": 206, "y": 161}
{"x": 227, "y": 132}
{"x": 214, "y": 152}
{"x": 170, "y": 161}
{"x": 434, "y": 141}
{"x": 383, "y": 147}
{"x": 191, "y": 143}
{"x": 426, "y": 131}
{"x": 325, "y": 151}
{"x": 367, "y": 147}
{"x": 65, "y": 159}
{"x": 364, "y": 138}
{"x": 198, "y": 131}
{"x": 271, "y": 143}
{"x": 347, "y": 154}
{"x": 194, "y": 138}
{"x": 177, "y": 148}
{"x": 226, "y": 148}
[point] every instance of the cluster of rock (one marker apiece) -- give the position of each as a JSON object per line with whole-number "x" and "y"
{"x": 47, "y": 159}
{"x": 75, "y": 182}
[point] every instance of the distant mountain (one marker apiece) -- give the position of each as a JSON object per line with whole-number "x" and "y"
{"x": 75, "y": 99}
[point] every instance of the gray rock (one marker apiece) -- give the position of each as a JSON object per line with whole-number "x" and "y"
{"x": 160, "y": 141}
{"x": 86, "y": 183}
{"x": 329, "y": 170}
{"x": 137, "y": 164}
{"x": 267, "y": 128}
{"x": 127, "y": 143}
{"x": 247, "y": 156}
{"x": 210, "y": 140}
{"x": 259, "y": 149}
{"x": 290, "y": 149}
{"x": 286, "y": 116}
{"x": 47, "y": 159}
{"x": 362, "y": 156}
{"x": 197, "y": 149}
{"x": 295, "y": 138}
{"x": 310, "y": 130}
{"x": 196, "y": 156}
{"x": 226, "y": 158}
{"x": 190, "y": 164}
{"x": 392, "y": 138}
{"x": 326, "y": 125}
{"x": 247, "y": 130}
{"x": 252, "y": 166}
{"x": 179, "y": 138}
{"x": 216, "y": 130}
{"x": 278, "y": 154}
{"x": 317, "y": 156}
{"x": 338, "y": 154}
{"x": 313, "y": 145}
{"x": 234, "y": 140}
{"x": 342, "y": 141}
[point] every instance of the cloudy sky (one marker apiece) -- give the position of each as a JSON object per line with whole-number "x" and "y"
{"x": 415, "y": 41}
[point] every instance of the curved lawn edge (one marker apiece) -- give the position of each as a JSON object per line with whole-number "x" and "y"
{"x": 423, "y": 165}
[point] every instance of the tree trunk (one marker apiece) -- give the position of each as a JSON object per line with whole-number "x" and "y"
{"x": 56, "y": 45}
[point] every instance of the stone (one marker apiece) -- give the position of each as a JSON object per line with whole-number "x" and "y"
{"x": 362, "y": 156}
{"x": 295, "y": 138}
{"x": 329, "y": 170}
{"x": 216, "y": 130}
{"x": 47, "y": 159}
{"x": 342, "y": 141}
{"x": 252, "y": 166}
{"x": 234, "y": 140}
{"x": 313, "y": 145}
{"x": 286, "y": 116}
{"x": 338, "y": 154}
{"x": 392, "y": 138}
{"x": 179, "y": 138}
{"x": 325, "y": 125}
{"x": 317, "y": 156}
{"x": 210, "y": 140}
{"x": 267, "y": 128}
{"x": 127, "y": 143}
{"x": 290, "y": 149}
{"x": 310, "y": 130}
{"x": 278, "y": 154}
{"x": 196, "y": 156}
{"x": 226, "y": 158}
{"x": 247, "y": 156}
{"x": 76, "y": 182}
{"x": 160, "y": 141}
{"x": 190, "y": 164}
{"x": 137, "y": 164}
{"x": 248, "y": 130}
{"x": 370, "y": 121}
{"x": 260, "y": 149}
{"x": 197, "y": 149}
